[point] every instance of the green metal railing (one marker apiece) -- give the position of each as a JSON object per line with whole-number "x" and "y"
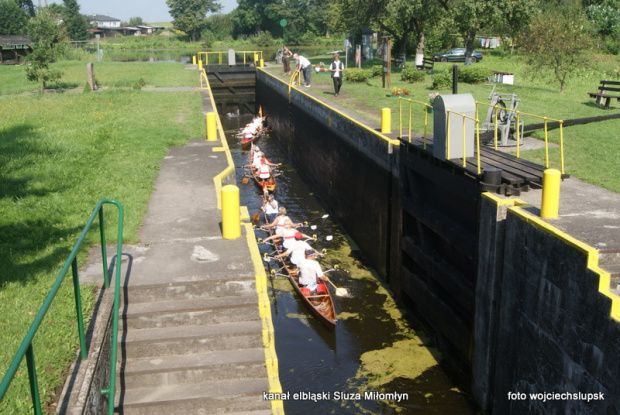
{"x": 26, "y": 348}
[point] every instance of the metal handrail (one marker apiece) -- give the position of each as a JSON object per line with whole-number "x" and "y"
{"x": 26, "y": 346}
{"x": 518, "y": 131}
{"x": 465, "y": 118}
{"x": 519, "y": 114}
{"x": 400, "y": 117}
{"x": 256, "y": 54}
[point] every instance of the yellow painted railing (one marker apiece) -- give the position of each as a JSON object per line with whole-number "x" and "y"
{"x": 464, "y": 118}
{"x": 252, "y": 56}
{"x": 518, "y": 121}
{"x": 204, "y": 81}
{"x": 406, "y": 115}
{"x": 410, "y": 103}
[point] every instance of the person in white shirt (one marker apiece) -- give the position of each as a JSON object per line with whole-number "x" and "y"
{"x": 310, "y": 272}
{"x": 287, "y": 234}
{"x": 270, "y": 208}
{"x": 304, "y": 66}
{"x": 296, "y": 249}
{"x": 336, "y": 69}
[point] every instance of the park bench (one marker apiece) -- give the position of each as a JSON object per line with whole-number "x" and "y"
{"x": 399, "y": 60}
{"x": 608, "y": 90}
{"x": 428, "y": 64}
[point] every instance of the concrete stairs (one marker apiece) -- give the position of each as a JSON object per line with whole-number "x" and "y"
{"x": 192, "y": 347}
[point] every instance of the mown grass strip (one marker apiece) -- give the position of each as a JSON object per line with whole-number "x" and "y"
{"x": 59, "y": 155}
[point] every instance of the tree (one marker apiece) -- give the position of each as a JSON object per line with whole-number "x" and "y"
{"x": 251, "y": 16}
{"x": 473, "y": 16}
{"x": 13, "y": 19}
{"x": 47, "y": 35}
{"x": 27, "y": 6}
{"x": 556, "y": 45}
{"x": 75, "y": 22}
{"x": 136, "y": 21}
{"x": 190, "y": 15}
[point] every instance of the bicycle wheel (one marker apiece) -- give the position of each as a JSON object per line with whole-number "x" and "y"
{"x": 502, "y": 114}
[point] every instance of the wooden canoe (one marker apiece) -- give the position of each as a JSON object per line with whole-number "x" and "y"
{"x": 268, "y": 185}
{"x": 248, "y": 141}
{"x": 321, "y": 306}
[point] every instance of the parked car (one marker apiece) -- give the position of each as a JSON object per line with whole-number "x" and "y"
{"x": 457, "y": 55}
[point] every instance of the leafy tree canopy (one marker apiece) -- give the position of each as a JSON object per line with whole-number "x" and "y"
{"x": 190, "y": 15}
{"x": 556, "y": 44}
{"x": 13, "y": 19}
{"x": 47, "y": 36}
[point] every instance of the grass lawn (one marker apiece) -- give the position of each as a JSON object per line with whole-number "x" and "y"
{"x": 59, "y": 155}
{"x": 591, "y": 150}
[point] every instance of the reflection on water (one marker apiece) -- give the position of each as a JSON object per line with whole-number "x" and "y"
{"x": 376, "y": 361}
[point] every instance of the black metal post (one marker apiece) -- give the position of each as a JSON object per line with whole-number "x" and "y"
{"x": 455, "y": 79}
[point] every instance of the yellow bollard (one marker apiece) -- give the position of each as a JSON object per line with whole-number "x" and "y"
{"x": 200, "y": 64}
{"x": 231, "y": 216}
{"x": 194, "y": 60}
{"x": 386, "y": 120}
{"x": 550, "y": 194}
{"x": 211, "y": 126}
{"x": 262, "y": 63}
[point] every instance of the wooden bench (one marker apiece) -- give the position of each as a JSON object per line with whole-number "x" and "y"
{"x": 608, "y": 90}
{"x": 399, "y": 60}
{"x": 428, "y": 64}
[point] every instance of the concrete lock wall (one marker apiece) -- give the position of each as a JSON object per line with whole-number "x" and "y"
{"x": 540, "y": 323}
{"x": 542, "y": 326}
{"x": 353, "y": 167}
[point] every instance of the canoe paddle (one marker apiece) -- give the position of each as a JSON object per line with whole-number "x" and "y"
{"x": 340, "y": 292}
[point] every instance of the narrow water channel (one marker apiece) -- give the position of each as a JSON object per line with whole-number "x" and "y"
{"x": 377, "y": 361}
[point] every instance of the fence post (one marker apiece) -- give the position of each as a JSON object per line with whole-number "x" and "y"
{"x": 231, "y": 216}
{"x": 550, "y": 194}
{"x": 211, "y": 126}
{"x": 386, "y": 120}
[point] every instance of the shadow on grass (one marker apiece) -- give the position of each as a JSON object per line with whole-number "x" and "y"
{"x": 22, "y": 243}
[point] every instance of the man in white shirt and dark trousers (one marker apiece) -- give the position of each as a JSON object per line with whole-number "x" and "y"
{"x": 304, "y": 66}
{"x": 336, "y": 69}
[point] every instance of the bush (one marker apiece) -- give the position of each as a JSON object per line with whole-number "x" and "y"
{"x": 208, "y": 39}
{"x": 473, "y": 74}
{"x": 264, "y": 39}
{"x": 376, "y": 70}
{"x": 412, "y": 74}
{"x": 442, "y": 81}
{"x": 139, "y": 84}
{"x": 356, "y": 75}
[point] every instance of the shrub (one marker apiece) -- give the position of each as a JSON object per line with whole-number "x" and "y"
{"x": 356, "y": 75}
{"x": 473, "y": 74}
{"x": 412, "y": 74}
{"x": 376, "y": 70}
{"x": 139, "y": 84}
{"x": 264, "y": 39}
{"x": 208, "y": 39}
{"x": 442, "y": 80}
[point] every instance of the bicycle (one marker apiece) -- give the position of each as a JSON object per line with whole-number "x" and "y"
{"x": 501, "y": 114}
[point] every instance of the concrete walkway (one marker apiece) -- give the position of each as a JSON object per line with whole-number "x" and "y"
{"x": 196, "y": 333}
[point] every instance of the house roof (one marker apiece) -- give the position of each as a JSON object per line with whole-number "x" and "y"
{"x": 101, "y": 18}
{"x": 14, "y": 40}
